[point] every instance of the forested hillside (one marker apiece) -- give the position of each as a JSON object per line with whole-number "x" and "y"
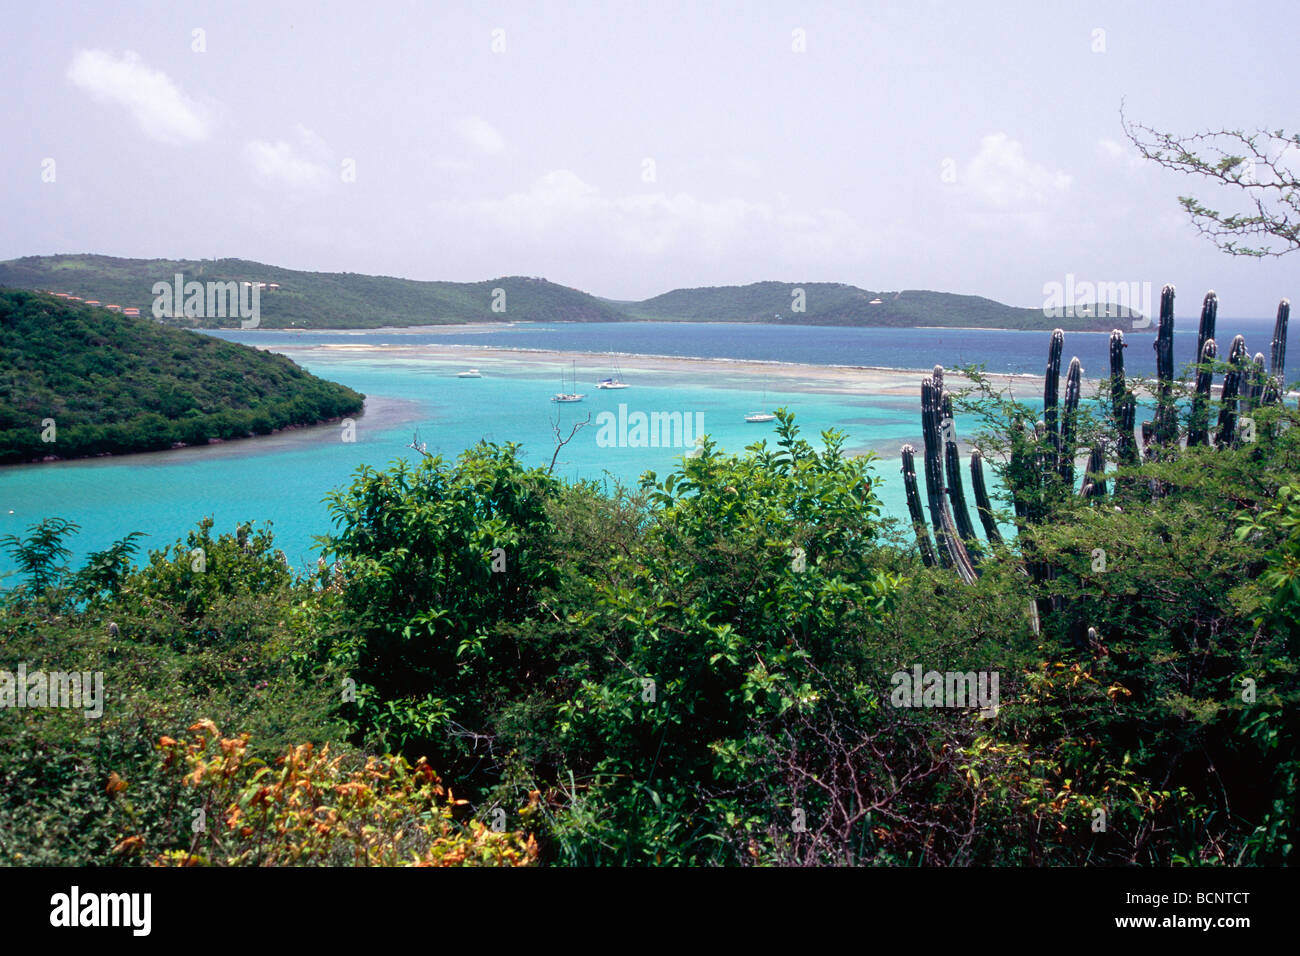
{"x": 832, "y": 303}
{"x": 321, "y": 300}
{"x": 312, "y": 300}
{"x": 78, "y": 380}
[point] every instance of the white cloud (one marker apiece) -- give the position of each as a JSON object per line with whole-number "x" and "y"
{"x": 480, "y": 135}
{"x": 303, "y": 167}
{"x": 1000, "y": 175}
{"x": 163, "y": 111}
{"x": 561, "y": 210}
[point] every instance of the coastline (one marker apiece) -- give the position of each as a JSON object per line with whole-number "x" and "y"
{"x": 847, "y": 379}
{"x": 376, "y": 412}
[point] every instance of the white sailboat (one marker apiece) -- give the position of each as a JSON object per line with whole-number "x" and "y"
{"x": 469, "y": 373}
{"x": 757, "y": 417}
{"x": 566, "y": 397}
{"x": 616, "y": 381}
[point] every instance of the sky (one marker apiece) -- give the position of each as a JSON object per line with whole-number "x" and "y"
{"x": 627, "y": 149}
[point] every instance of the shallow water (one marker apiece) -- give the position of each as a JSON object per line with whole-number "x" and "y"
{"x": 284, "y": 478}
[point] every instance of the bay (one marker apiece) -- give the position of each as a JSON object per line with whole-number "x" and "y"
{"x": 283, "y": 478}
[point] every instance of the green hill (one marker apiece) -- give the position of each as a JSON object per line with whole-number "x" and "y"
{"x": 317, "y": 300}
{"x": 115, "y": 384}
{"x": 831, "y": 303}
{"x": 323, "y": 300}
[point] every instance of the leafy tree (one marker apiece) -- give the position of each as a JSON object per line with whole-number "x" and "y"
{"x": 435, "y": 560}
{"x": 733, "y": 622}
{"x": 40, "y": 554}
{"x": 1257, "y": 166}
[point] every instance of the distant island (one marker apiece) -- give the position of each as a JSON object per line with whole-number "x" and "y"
{"x": 78, "y": 380}
{"x": 291, "y": 299}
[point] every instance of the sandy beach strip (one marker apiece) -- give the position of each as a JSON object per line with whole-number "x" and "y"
{"x": 846, "y": 379}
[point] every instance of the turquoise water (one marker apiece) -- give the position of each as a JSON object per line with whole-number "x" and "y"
{"x": 284, "y": 478}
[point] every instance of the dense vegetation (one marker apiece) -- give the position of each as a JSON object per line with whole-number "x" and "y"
{"x": 112, "y": 383}
{"x": 832, "y": 303}
{"x": 321, "y": 300}
{"x": 699, "y": 669}
{"x": 312, "y": 300}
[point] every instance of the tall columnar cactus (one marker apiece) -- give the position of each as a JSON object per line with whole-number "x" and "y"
{"x": 1254, "y": 391}
{"x": 1123, "y": 403}
{"x": 956, "y": 492}
{"x": 1276, "y": 387}
{"x": 1046, "y": 466}
{"x": 914, "y": 505}
{"x": 1094, "y": 484}
{"x": 1021, "y": 472}
{"x": 1073, "y": 387}
{"x": 1228, "y": 400}
{"x": 982, "y": 502}
{"x": 1198, "y": 429}
{"x": 1209, "y": 315}
{"x": 1166, "y": 420}
{"x": 1051, "y": 389}
{"x": 1043, "y": 454}
{"x": 947, "y": 540}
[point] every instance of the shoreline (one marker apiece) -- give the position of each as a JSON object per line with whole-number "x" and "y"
{"x": 376, "y": 411}
{"x": 850, "y": 379}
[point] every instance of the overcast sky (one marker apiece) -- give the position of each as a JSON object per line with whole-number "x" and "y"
{"x": 628, "y": 149}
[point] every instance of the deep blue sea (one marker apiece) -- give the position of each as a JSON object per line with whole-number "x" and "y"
{"x": 997, "y": 350}
{"x": 284, "y": 478}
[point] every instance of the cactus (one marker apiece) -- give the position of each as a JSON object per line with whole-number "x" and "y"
{"x": 1094, "y": 485}
{"x": 933, "y": 475}
{"x": 947, "y": 539}
{"x": 914, "y": 506}
{"x": 1166, "y": 420}
{"x": 1198, "y": 429}
{"x": 1043, "y": 454}
{"x": 1051, "y": 387}
{"x": 1254, "y": 391}
{"x": 956, "y": 493}
{"x": 1277, "y": 356}
{"x": 1073, "y": 386}
{"x": 1228, "y": 401}
{"x": 982, "y": 503}
{"x": 1123, "y": 406}
{"x": 1020, "y": 470}
{"x": 1209, "y": 313}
